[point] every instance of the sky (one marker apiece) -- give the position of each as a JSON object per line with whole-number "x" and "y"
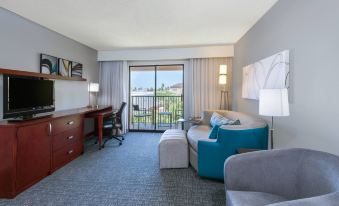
{"x": 146, "y": 79}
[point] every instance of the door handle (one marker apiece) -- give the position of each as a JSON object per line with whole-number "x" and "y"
{"x": 70, "y": 152}
{"x": 70, "y": 123}
{"x": 70, "y": 137}
{"x": 50, "y": 128}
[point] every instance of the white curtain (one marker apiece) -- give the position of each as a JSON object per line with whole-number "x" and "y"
{"x": 204, "y": 87}
{"x": 114, "y": 86}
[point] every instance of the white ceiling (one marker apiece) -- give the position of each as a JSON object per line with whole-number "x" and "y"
{"x": 120, "y": 24}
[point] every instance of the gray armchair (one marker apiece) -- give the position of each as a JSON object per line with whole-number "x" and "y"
{"x": 287, "y": 177}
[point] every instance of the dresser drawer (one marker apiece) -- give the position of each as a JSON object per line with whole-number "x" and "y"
{"x": 66, "y": 154}
{"x": 66, "y": 123}
{"x": 66, "y": 138}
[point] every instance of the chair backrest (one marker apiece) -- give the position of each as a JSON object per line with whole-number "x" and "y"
{"x": 318, "y": 173}
{"x": 121, "y": 109}
{"x": 136, "y": 107}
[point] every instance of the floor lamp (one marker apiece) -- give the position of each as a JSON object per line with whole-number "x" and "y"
{"x": 93, "y": 88}
{"x": 273, "y": 103}
{"x": 223, "y": 82}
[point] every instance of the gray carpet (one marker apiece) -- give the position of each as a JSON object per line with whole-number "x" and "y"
{"x": 125, "y": 175}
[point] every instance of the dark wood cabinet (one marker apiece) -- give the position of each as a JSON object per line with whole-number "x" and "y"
{"x": 31, "y": 150}
{"x": 33, "y": 153}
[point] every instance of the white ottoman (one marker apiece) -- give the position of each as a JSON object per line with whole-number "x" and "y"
{"x": 173, "y": 149}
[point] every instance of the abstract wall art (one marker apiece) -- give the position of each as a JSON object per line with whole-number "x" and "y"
{"x": 76, "y": 69}
{"x": 48, "y": 64}
{"x": 65, "y": 67}
{"x": 269, "y": 73}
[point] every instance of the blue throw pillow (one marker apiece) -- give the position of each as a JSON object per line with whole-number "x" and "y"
{"x": 214, "y": 132}
{"x": 218, "y": 119}
{"x": 215, "y": 129}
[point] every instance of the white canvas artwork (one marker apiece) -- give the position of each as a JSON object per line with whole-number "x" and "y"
{"x": 269, "y": 73}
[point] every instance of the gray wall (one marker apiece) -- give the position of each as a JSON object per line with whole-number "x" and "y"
{"x": 22, "y": 41}
{"x": 310, "y": 29}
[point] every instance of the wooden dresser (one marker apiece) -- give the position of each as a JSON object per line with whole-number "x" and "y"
{"x": 31, "y": 150}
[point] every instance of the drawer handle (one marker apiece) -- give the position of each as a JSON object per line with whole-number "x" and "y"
{"x": 70, "y": 152}
{"x": 70, "y": 137}
{"x": 70, "y": 123}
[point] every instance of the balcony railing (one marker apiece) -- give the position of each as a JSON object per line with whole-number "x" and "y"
{"x": 155, "y": 112}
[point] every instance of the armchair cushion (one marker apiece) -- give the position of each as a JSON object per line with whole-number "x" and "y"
{"x": 247, "y": 198}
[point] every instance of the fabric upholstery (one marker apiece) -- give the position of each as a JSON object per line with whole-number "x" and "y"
{"x": 331, "y": 199}
{"x": 227, "y": 143}
{"x": 245, "y": 198}
{"x": 193, "y": 158}
{"x": 212, "y": 153}
{"x": 214, "y": 132}
{"x": 290, "y": 173}
{"x": 247, "y": 121}
{"x": 173, "y": 149}
{"x": 218, "y": 119}
{"x": 196, "y": 133}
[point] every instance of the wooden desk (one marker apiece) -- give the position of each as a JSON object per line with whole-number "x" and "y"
{"x": 99, "y": 117}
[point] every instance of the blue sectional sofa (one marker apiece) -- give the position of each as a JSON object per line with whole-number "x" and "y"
{"x": 207, "y": 156}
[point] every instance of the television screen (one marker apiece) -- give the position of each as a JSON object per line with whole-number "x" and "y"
{"x": 27, "y": 96}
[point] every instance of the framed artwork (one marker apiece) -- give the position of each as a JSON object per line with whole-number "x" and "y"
{"x": 48, "y": 64}
{"x": 65, "y": 67}
{"x": 269, "y": 73}
{"x": 76, "y": 69}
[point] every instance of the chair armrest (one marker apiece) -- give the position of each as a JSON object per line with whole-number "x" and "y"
{"x": 273, "y": 171}
{"x": 329, "y": 199}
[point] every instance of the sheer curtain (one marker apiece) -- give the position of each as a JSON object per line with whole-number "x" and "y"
{"x": 204, "y": 85}
{"x": 114, "y": 86}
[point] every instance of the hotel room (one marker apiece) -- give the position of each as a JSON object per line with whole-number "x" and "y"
{"x": 222, "y": 102}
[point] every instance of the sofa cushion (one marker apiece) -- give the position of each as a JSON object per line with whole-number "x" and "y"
{"x": 247, "y": 198}
{"x": 217, "y": 119}
{"x": 198, "y": 132}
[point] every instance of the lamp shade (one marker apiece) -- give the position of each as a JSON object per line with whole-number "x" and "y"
{"x": 222, "y": 79}
{"x": 274, "y": 102}
{"x": 223, "y": 69}
{"x": 93, "y": 87}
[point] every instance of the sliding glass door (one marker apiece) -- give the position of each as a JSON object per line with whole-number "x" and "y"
{"x": 156, "y": 97}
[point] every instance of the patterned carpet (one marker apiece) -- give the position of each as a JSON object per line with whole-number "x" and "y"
{"x": 125, "y": 175}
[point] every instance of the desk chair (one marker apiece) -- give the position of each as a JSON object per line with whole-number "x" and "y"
{"x": 113, "y": 124}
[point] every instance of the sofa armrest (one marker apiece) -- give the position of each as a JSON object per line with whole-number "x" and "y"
{"x": 212, "y": 155}
{"x": 272, "y": 171}
{"x": 328, "y": 199}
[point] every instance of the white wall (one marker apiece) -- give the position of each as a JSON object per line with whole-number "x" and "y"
{"x": 22, "y": 41}
{"x": 167, "y": 54}
{"x": 309, "y": 28}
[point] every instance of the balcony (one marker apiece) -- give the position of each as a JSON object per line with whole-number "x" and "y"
{"x": 155, "y": 112}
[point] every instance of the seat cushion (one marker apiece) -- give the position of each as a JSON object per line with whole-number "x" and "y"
{"x": 247, "y": 198}
{"x": 198, "y": 132}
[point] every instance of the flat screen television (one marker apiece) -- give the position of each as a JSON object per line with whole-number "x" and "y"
{"x": 25, "y": 97}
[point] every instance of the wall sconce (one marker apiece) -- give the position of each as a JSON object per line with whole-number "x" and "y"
{"x": 223, "y": 81}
